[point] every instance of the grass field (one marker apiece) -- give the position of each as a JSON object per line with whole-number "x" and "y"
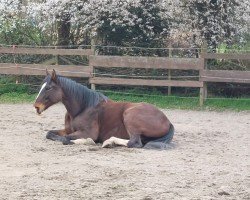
{"x": 162, "y": 101}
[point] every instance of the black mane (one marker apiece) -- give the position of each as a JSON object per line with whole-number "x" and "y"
{"x": 84, "y": 95}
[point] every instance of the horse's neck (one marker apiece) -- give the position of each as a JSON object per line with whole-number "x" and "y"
{"x": 75, "y": 105}
{"x": 72, "y": 104}
{"x": 78, "y": 100}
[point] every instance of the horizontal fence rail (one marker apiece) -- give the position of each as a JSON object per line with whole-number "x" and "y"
{"x": 131, "y": 62}
{"x": 40, "y": 69}
{"x": 146, "y": 62}
{"x": 140, "y": 82}
{"x": 231, "y": 76}
{"x": 21, "y": 50}
{"x": 231, "y": 56}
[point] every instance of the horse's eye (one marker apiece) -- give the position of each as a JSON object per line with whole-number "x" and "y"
{"x": 48, "y": 88}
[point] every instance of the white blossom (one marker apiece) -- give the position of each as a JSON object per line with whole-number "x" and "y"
{"x": 224, "y": 21}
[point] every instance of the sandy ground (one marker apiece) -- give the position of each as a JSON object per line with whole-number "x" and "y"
{"x": 210, "y": 160}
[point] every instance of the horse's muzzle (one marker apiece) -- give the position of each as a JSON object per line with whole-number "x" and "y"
{"x": 39, "y": 108}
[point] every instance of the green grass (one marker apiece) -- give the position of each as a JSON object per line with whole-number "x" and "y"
{"x": 158, "y": 100}
{"x": 228, "y": 104}
{"x": 15, "y": 97}
{"x": 191, "y": 103}
{"x": 161, "y": 101}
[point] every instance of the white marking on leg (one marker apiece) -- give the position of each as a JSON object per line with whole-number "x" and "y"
{"x": 114, "y": 141}
{"x": 87, "y": 141}
{"x": 43, "y": 86}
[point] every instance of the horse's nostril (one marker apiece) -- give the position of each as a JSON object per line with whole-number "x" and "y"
{"x": 37, "y": 110}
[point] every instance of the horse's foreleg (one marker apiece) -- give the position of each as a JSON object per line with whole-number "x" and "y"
{"x": 113, "y": 141}
{"x": 78, "y": 137}
{"x": 72, "y": 136}
{"x": 56, "y": 135}
{"x": 88, "y": 129}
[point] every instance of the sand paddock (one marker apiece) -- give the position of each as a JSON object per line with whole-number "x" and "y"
{"x": 210, "y": 160}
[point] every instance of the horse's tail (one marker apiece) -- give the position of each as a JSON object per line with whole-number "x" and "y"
{"x": 163, "y": 142}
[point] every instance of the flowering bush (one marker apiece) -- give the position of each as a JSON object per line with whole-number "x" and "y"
{"x": 130, "y": 22}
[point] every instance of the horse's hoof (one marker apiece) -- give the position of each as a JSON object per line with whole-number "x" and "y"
{"x": 66, "y": 141}
{"x": 50, "y": 135}
{"x": 108, "y": 144}
{"x": 134, "y": 145}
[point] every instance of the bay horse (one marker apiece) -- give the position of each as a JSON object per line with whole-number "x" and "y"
{"x": 90, "y": 114}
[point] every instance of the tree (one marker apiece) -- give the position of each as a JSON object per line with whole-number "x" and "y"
{"x": 217, "y": 21}
{"x": 16, "y": 26}
{"x": 122, "y": 22}
{"x": 144, "y": 23}
{"x": 141, "y": 25}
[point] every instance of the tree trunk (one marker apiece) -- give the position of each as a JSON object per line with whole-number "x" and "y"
{"x": 63, "y": 29}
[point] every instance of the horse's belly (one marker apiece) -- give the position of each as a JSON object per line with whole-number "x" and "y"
{"x": 111, "y": 122}
{"x": 108, "y": 132}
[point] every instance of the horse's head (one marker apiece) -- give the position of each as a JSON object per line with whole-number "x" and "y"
{"x": 49, "y": 94}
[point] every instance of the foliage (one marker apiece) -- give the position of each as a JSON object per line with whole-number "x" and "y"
{"x": 19, "y": 84}
{"x": 18, "y": 34}
{"x": 217, "y": 21}
{"x": 7, "y": 85}
{"x": 126, "y": 22}
{"x": 143, "y": 26}
{"x": 122, "y": 22}
{"x": 14, "y": 25}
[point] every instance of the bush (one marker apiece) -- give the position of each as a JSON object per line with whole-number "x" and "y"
{"x": 7, "y": 85}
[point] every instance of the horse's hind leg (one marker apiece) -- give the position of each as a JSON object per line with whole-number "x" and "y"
{"x": 135, "y": 141}
{"x": 133, "y": 128}
{"x": 133, "y": 131}
{"x": 144, "y": 120}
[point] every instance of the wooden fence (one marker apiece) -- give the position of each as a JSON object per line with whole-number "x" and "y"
{"x": 225, "y": 76}
{"x": 39, "y": 69}
{"x": 133, "y": 62}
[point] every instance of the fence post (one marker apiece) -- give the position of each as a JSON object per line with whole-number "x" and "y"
{"x": 169, "y": 71}
{"x": 205, "y": 83}
{"x": 56, "y": 57}
{"x": 203, "y": 90}
{"x": 93, "y": 68}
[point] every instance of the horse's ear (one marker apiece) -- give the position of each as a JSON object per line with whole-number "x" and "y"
{"x": 47, "y": 72}
{"x": 54, "y": 76}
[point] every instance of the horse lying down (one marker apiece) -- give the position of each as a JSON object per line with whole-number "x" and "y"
{"x": 91, "y": 116}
